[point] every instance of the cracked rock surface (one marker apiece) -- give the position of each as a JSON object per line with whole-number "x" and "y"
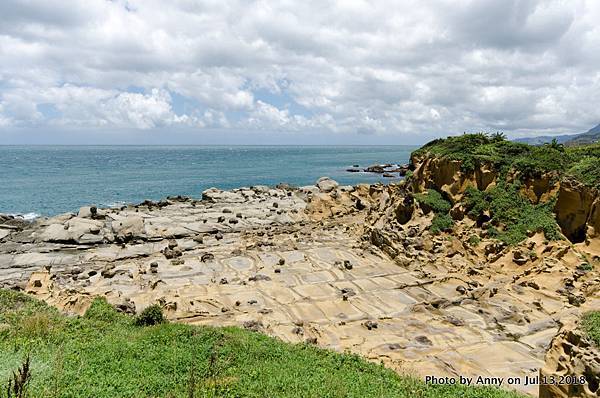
{"x": 341, "y": 267}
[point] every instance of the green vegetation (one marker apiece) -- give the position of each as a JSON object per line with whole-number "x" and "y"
{"x": 581, "y": 163}
{"x": 591, "y": 326}
{"x": 151, "y": 315}
{"x": 511, "y": 215}
{"x": 105, "y": 354}
{"x": 433, "y": 201}
{"x": 441, "y": 222}
{"x": 585, "y": 267}
{"x": 474, "y": 240}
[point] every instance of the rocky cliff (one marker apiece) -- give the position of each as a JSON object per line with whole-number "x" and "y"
{"x": 572, "y": 362}
{"x": 577, "y": 207}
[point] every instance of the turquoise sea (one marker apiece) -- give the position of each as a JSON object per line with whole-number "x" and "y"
{"x": 48, "y": 180}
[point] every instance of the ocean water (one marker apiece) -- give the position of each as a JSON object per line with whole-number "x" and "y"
{"x": 49, "y": 180}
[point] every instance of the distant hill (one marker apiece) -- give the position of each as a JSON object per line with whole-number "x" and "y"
{"x": 589, "y": 137}
{"x": 593, "y": 135}
{"x": 544, "y": 139}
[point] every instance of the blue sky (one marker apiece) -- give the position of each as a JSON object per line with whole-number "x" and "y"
{"x": 283, "y": 72}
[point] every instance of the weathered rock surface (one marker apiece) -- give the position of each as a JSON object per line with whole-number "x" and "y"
{"x": 326, "y": 184}
{"x": 571, "y": 356}
{"x": 343, "y": 267}
{"x": 577, "y": 208}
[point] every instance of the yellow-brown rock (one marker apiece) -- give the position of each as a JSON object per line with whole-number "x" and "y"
{"x": 572, "y": 368}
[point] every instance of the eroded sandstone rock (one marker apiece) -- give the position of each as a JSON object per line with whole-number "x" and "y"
{"x": 572, "y": 366}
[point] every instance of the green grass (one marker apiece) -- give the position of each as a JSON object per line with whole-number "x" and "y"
{"x": 513, "y": 216}
{"x": 434, "y": 201}
{"x": 591, "y": 326}
{"x": 581, "y": 163}
{"x": 104, "y": 354}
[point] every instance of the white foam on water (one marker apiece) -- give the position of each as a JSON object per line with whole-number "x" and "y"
{"x": 27, "y": 216}
{"x": 112, "y": 205}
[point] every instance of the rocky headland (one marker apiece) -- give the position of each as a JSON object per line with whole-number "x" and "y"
{"x": 419, "y": 275}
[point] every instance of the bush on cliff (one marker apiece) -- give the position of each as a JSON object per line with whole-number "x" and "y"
{"x": 434, "y": 201}
{"x": 472, "y": 150}
{"x": 511, "y": 214}
{"x": 591, "y": 326}
{"x": 152, "y": 315}
{"x": 104, "y": 354}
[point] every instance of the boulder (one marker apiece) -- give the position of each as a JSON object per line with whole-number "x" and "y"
{"x": 405, "y": 209}
{"x": 78, "y": 230}
{"x": 90, "y": 212}
{"x": 326, "y": 184}
{"x": 457, "y": 212}
{"x": 309, "y": 189}
{"x": 129, "y": 227}
{"x": 376, "y": 168}
{"x": 519, "y": 257}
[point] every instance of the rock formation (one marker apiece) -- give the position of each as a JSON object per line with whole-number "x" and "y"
{"x": 572, "y": 368}
{"x": 349, "y": 268}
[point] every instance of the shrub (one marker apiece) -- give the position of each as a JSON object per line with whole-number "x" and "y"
{"x": 591, "y": 326}
{"x": 513, "y": 216}
{"x": 152, "y": 315}
{"x": 35, "y": 326}
{"x": 474, "y": 240}
{"x": 101, "y": 310}
{"x": 587, "y": 170}
{"x": 433, "y": 201}
{"x": 441, "y": 222}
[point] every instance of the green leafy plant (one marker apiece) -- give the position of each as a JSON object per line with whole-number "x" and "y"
{"x": 474, "y": 240}
{"x": 434, "y": 201}
{"x": 512, "y": 215}
{"x": 591, "y": 325}
{"x": 152, "y": 315}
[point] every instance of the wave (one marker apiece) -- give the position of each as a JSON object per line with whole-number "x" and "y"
{"x": 27, "y": 216}
{"x": 112, "y": 205}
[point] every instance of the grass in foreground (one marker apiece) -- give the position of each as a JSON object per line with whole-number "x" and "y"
{"x": 591, "y": 326}
{"x": 105, "y": 354}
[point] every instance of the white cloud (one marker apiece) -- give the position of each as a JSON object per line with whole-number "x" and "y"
{"x": 338, "y": 67}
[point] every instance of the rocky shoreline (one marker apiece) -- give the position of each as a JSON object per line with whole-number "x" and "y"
{"x": 345, "y": 267}
{"x": 386, "y": 170}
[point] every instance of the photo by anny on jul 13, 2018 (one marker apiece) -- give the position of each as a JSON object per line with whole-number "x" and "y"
{"x": 299, "y": 199}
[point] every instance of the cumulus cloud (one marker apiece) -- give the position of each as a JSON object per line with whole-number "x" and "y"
{"x": 382, "y": 68}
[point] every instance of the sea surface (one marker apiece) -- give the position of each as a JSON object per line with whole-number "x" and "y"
{"x": 49, "y": 180}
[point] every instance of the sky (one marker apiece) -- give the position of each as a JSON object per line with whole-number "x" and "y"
{"x": 295, "y": 72}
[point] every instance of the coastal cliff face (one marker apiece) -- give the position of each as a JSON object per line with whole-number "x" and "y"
{"x": 571, "y": 355}
{"x": 577, "y": 207}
